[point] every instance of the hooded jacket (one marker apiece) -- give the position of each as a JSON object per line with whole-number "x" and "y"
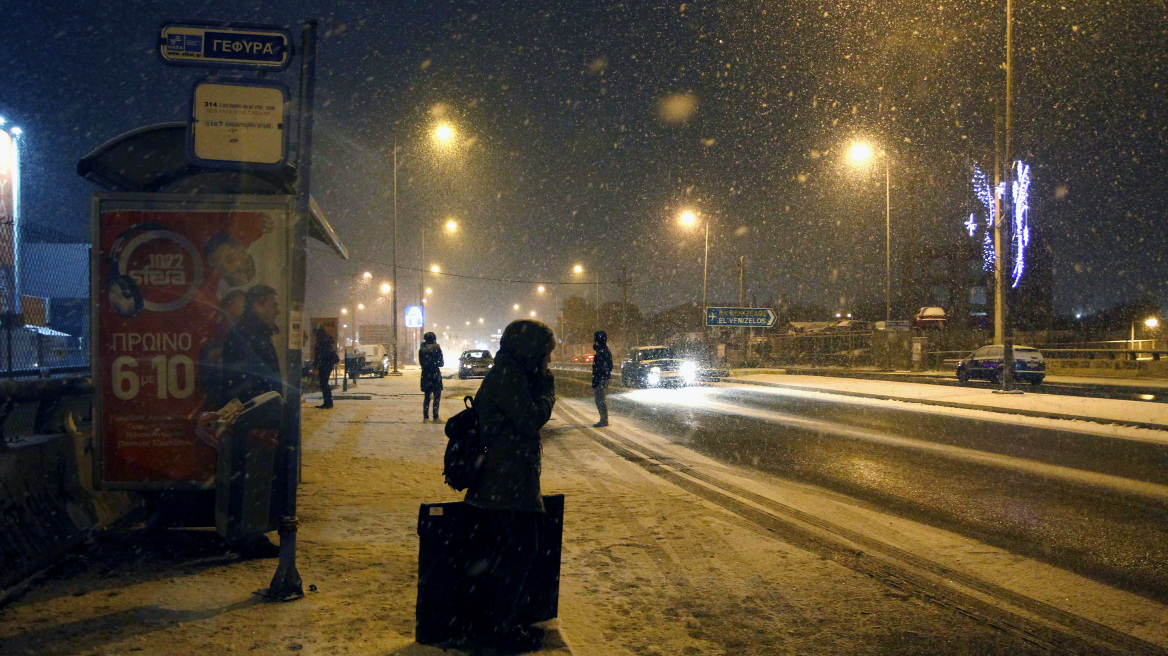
{"x": 513, "y": 403}
{"x": 251, "y": 365}
{"x": 430, "y": 357}
{"x": 602, "y": 362}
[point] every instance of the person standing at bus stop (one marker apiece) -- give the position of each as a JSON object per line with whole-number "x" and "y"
{"x": 601, "y": 373}
{"x": 324, "y": 356}
{"x": 430, "y": 357}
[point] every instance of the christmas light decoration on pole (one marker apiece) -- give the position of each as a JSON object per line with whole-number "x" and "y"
{"x": 1021, "y": 232}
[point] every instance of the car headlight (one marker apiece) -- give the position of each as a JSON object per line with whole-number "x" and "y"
{"x": 655, "y": 370}
{"x": 654, "y": 378}
{"x": 689, "y": 371}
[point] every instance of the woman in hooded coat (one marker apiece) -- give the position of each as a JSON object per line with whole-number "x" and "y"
{"x": 513, "y": 403}
{"x": 430, "y": 357}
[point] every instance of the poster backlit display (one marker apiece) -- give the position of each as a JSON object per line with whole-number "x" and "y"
{"x": 170, "y": 279}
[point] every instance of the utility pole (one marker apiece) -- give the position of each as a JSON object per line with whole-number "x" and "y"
{"x": 1000, "y": 304}
{"x": 624, "y": 283}
{"x": 742, "y": 299}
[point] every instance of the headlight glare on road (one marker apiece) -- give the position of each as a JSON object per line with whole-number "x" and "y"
{"x": 689, "y": 371}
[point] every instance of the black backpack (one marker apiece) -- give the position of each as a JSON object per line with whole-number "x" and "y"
{"x": 465, "y": 452}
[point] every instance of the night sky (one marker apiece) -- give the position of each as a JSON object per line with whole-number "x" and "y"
{"x": 584, "y": 128}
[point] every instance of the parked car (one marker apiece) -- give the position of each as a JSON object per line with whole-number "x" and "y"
{"x": 374, "y": 361}
{"x": 657, "y": 366}
{"x": 929, "y": 317}
{"x": 852, "y": 326}
{"x": 584, "y": 358}
{"x": 987, "y": 362}
{"x": 475, "y": 362}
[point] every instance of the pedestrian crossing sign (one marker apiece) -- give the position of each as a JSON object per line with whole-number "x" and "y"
{"x": 415, "y": 318}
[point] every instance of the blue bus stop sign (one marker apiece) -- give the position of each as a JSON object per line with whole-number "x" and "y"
{"x": 415, "y": 316}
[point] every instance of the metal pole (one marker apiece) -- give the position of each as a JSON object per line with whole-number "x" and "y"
{"x": 286, "y": 584}
{"x": 395, "y": 372}
{"x": 705, "y": 275}
{"x": 597, "y": 298}
{"x": 1008, "y": 162}
{"x": 422, "y": 288}
{"x": 887, "y": 242}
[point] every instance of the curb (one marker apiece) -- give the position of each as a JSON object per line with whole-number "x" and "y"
{"x": 961, "y": 406}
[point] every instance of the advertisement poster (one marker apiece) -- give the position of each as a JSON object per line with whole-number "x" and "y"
{"x": 170, "y": 283}
{"x": 9, "y": 221}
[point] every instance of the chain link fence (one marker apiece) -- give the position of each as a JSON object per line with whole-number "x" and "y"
{"x": 44, "y": 302}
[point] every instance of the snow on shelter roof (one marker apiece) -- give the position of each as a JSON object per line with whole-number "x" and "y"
{"x": 154, "y": 159}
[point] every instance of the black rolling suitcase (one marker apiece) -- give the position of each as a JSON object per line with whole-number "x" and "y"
{"x": 246, "y": 471}
{"x": 451, "y": 556}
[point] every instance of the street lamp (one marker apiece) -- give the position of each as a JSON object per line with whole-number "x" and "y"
{"x": 579, "y": 270}
{"x": 443, "y": 135}
{"x": 858, "y": 156}
{"x": 1150, "y": 323}
{"x": 689, "y": 219}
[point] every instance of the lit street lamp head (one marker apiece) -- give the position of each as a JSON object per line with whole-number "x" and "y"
{"x": 860, "y": 153}
{"x": 435, "y": 269}
{"x": 443, "y": 134}
{"x": 367, "y": 275}
{"x": 578, "y": 269}
{"x": 451, "y": 226}
{"x": 540, "y": 289}
{"x": 688, "y": 219}
{"x": 385, "y": 288}
{"x": 1151, "y": 322}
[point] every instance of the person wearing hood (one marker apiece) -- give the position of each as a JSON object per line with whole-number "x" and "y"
{"x": 514, "y": 402}
{"x": 430, "y": 357}
{"x": 324, "y": 357}
{"x": 601, "y": 373}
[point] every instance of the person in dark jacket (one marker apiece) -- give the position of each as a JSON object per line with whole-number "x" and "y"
{"x": 324, "y": 357}
{"x": 251, "y": 365}
{"x": 430, "y": 357}
{"x": 513, "y": 403}
{"x": 601, "y": 373}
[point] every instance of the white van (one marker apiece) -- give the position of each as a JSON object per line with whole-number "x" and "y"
{"x": 376, "y": 360}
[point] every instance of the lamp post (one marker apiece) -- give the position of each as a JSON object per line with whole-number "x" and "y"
{"x": 579, "y": 270}
{"x": 859, "y": 154}
{"x": 689, "y": 219}
{"x": 443, "y": 134}
{"x": 393, "y": 285}
{"x": 1151, "y": 323}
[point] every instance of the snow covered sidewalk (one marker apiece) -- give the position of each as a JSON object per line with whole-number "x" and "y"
{"x": 648, "y": 568}
{"x": 1134, "y": 414}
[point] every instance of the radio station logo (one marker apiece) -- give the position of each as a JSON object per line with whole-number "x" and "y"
{"x": 153, "y": 269}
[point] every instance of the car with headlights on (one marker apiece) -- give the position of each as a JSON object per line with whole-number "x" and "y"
{"x": 475, "y": 362}
{"x": 987, "y": 363}
{"x": 657, "y": 366}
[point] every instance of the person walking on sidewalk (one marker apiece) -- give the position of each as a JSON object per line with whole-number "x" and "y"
{"x": 601, "y": 373}
{"x": 513, "y": 403}
{"x": 324, "y": 357}
{"x": 430, "y": 357}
